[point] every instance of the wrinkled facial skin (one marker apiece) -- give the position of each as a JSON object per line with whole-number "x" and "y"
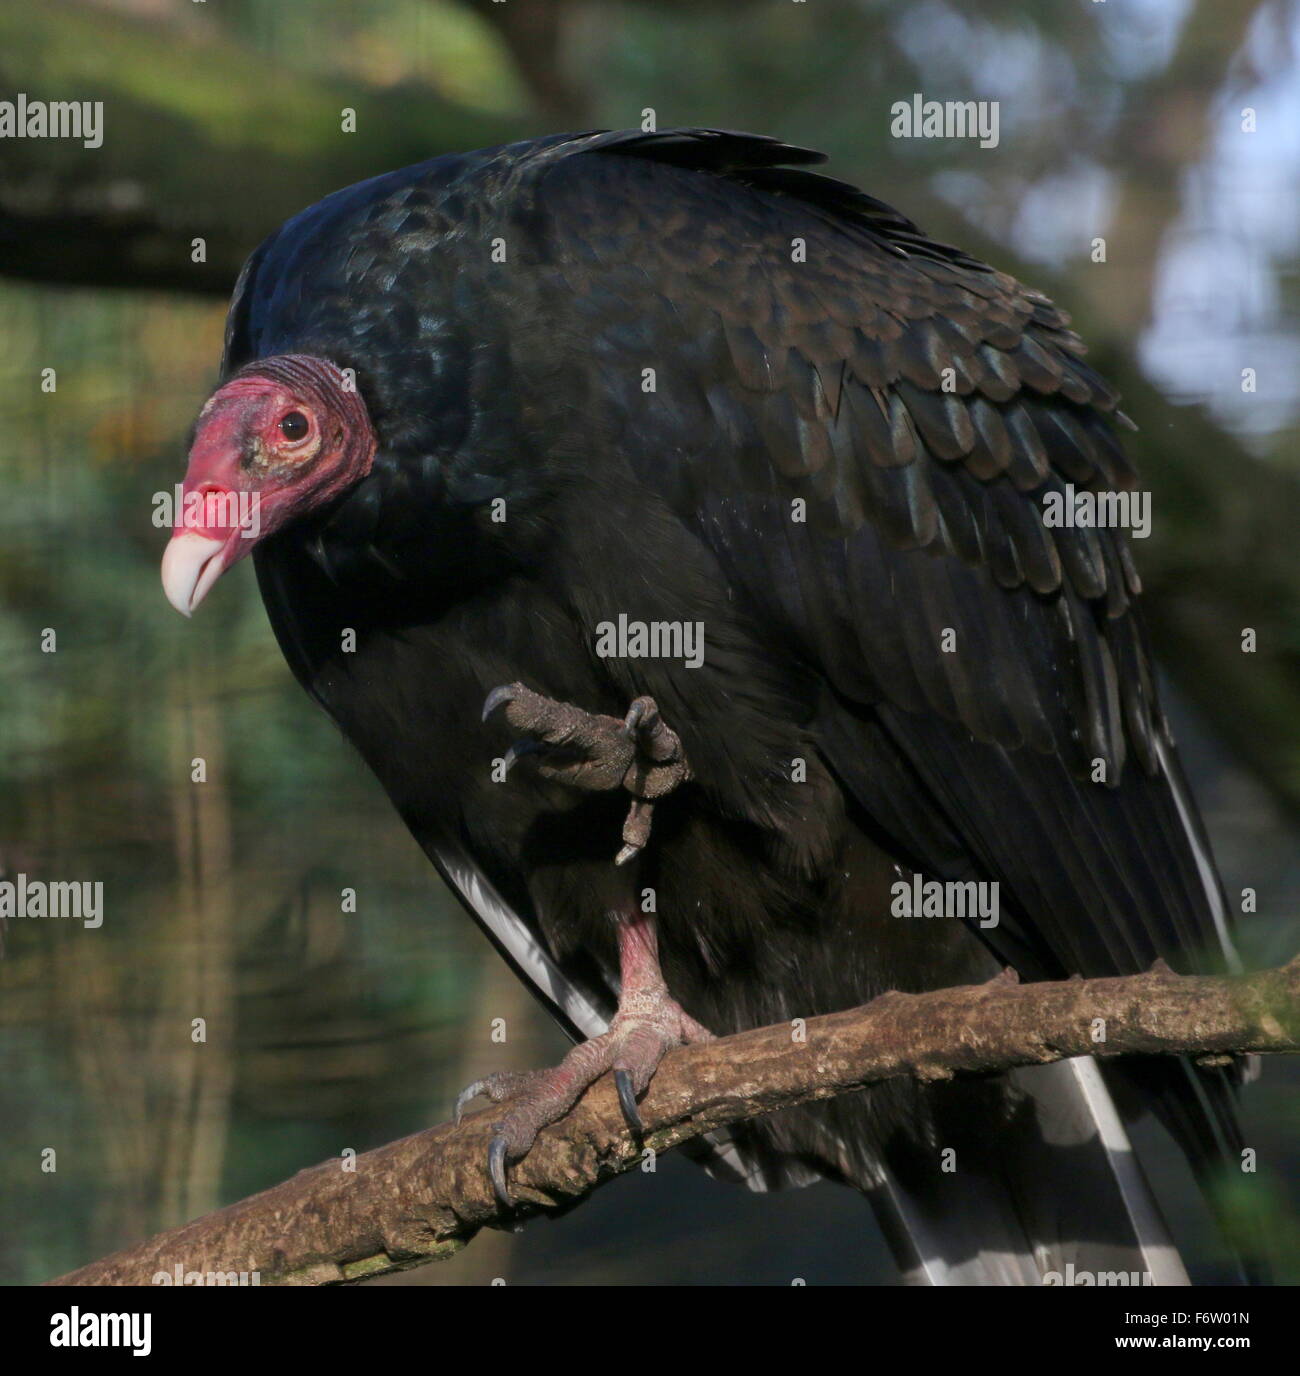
{"x": 282, "y": 438}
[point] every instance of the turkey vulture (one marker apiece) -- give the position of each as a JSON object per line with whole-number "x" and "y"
{"x": 665, "y": 525}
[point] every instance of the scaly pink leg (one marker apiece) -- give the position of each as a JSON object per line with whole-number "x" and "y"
{"x": 649, "y": 1022}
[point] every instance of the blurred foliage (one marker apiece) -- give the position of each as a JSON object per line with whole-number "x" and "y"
{"x": 223, "y": 899}
{"x": 328, "y": 1029}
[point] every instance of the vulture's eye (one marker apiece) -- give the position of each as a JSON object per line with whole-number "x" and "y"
{"x": 294, "y": 425}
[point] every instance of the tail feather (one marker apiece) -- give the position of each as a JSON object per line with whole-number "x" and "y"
{"x": 1055, "y": 1196}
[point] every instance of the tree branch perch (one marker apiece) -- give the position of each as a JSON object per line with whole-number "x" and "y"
{"x": 424, "y": 1197}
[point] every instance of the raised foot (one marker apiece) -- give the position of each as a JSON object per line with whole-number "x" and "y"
{"x": 645, "y": 1028}
{"x": 641, "y": 753}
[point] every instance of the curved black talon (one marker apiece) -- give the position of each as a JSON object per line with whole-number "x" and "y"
{"x": 627, "y": 1101}
{"x": 504, "y": 693}
{"x": 497, "y": 1170}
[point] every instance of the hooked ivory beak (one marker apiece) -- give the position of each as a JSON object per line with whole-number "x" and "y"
{"x": 191, "y": 564}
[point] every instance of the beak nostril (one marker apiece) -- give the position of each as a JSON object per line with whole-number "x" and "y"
{"x": 213, "y": 508}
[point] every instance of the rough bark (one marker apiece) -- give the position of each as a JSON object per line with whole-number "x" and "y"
{"x": 424, "y": 1197}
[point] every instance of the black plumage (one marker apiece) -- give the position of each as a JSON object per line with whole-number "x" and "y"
{"x": 812, "y": 352}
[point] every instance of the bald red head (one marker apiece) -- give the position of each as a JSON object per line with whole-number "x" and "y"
{"x": 284, "y": 436}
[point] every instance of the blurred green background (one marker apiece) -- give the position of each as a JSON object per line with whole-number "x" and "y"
{"x": 328, "y": 1029}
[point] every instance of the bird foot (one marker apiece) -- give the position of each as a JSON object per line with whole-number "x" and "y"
{"x": 648, "y": 1024}
{"x": 641, "y": 753}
